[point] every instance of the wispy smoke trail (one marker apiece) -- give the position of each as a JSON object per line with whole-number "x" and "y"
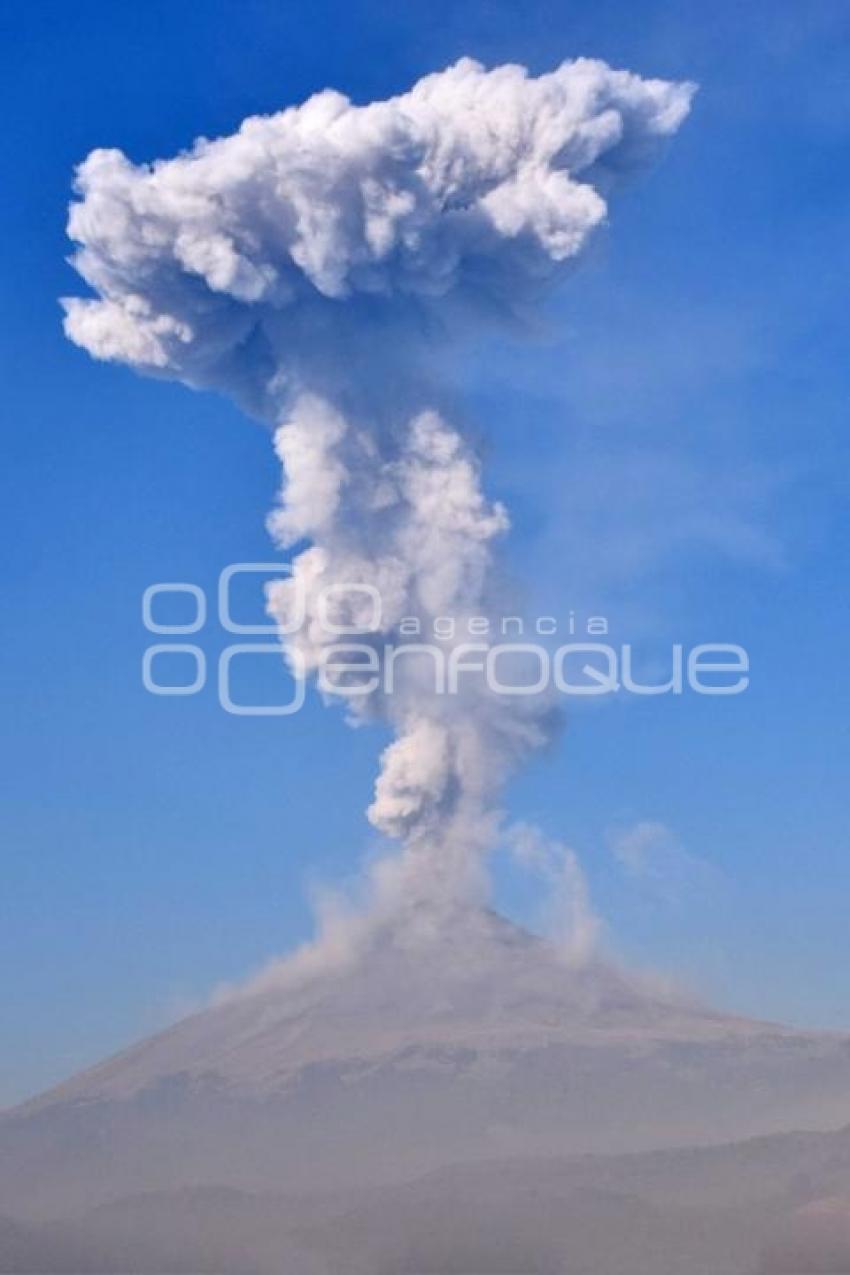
{"x": 309, "y": 266}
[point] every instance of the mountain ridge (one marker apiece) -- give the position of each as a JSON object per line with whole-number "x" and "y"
{"x": 497, "y": 984}
{"x": 422, "y": 1042}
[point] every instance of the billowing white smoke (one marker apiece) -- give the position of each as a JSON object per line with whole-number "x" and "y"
{"x": 310, "y": 266}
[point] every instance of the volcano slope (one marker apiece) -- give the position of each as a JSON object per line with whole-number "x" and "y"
{"x": 432, "y": 1043}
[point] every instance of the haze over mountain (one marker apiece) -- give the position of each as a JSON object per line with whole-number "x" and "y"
{"x": 351, "y": 1086}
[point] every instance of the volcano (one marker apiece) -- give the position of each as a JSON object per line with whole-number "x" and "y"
{"x": 433, "y": 1043}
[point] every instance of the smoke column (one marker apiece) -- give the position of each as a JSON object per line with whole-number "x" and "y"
{"x": 310, "y": 266}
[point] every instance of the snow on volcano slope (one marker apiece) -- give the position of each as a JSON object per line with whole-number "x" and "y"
{"x": 430, "y": 1044}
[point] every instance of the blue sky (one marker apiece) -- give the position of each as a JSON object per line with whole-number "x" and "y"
{"x": 673, "y": 449}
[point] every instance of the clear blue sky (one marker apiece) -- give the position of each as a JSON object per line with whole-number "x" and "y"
{"x": 675, "y": 455}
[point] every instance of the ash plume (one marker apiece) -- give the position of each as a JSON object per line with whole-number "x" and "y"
{"x": 312, "y": 266}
